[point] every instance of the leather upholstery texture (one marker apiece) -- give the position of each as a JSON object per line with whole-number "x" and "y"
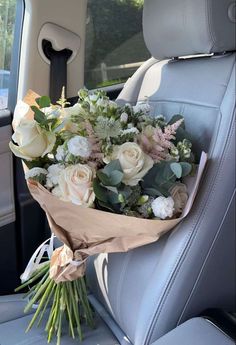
{"x": 150, "y": 290}
{"x": 175, "y": 28}
{"x": 13, "y": 325}
{"x": 195, "y": 332}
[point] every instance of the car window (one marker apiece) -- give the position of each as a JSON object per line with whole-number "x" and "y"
{"x": 115, "y": 46}
{"x": 7, "y": 21}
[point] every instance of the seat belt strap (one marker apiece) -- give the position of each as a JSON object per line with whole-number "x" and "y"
{"x": 58, "y": 69}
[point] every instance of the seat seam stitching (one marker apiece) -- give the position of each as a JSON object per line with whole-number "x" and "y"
{"x": 192, "y": 235}
{"x": 189, "y": 239}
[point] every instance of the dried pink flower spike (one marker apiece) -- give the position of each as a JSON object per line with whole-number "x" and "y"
{"x": 157, "y": 143}
{"x": 96, "y": 154}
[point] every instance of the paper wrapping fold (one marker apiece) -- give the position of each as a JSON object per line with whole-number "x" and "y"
{"x": 86, "y": 231}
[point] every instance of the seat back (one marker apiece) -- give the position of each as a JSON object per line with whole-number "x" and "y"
{"x": 146, "y": 292}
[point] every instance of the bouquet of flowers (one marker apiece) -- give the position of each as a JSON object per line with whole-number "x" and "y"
{"x": 91, "y": 165}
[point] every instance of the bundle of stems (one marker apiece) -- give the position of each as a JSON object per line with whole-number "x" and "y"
{"x": 66, "y": 302}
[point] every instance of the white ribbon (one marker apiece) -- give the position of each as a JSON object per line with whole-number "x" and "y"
{"x": 34, "y": 262}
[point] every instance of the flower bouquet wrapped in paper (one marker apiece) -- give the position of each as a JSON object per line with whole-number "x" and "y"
{"x": 110, "y": 178}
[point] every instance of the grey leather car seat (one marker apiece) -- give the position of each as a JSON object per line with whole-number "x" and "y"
{"x": 143, "y": 294}
{"x": 197, "y": 331}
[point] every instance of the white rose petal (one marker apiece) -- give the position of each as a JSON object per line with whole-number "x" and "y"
{"x": 32, "y": 141}
{"x": 31, "y": 173}
{"x": 163, "y": 207}
{"x": 20, "y": 112}
{"x": 76, "y": 184}
{"x": 134, "y": 162}
{"x": 79, "y": 146}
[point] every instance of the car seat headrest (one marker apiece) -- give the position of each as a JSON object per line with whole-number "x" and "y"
{"x": 174, "y": 28}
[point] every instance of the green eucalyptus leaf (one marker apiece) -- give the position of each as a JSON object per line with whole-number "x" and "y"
{"x": 39, "y": 116}
{"x": 100, "y": 192}
{"x": 186, "y": 168}
{"x": 113, "y": 198}
{"x": 106, "y": 206}
{"x": 112, "y": 189}
{"x": 103, "y": 178}
{"x": 116, "y": 178}
{"x": 112, "y": 166}
{"x": 43, "y": 102}
{"x": 177, "y": 169}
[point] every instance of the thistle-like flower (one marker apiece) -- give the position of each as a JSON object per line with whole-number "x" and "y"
{"x": 107, "y": 128}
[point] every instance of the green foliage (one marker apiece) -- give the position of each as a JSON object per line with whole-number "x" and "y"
{"x": 163, "y": 176}
{"x": 39, "y": 116}
{"x": 43, "y": 102}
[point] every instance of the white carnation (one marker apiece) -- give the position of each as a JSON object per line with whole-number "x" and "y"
{"x": 132, "y": 130}
{"x": 144, "y": 107}
{"x": 60, "y": 154}
{"x": 53, "y": 175}
{"x": 57, "y": 192}
{"x": 124, "y": 117}
{"x": 163, "y": 207}
{"x": 35, "y": 172}
{"x": 79, "y": 146}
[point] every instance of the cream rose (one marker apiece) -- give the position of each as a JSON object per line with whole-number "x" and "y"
{"x": 134, "y": 162}
{"x": 32, "y": 140}
{"x": 180, "y": 196}
{"x": 75, "y": 183}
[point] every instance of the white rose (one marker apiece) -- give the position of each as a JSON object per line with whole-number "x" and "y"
{"x": 134, "y": 162}
{"x": 124, "y": 117}
{"x": 34, "y": 172}
{"x": 163, "y": 207}
{"x": 33, "y": 142}
{"x": 79, "y": 146}
{"x": 53, "y": 174}
{"x": 180, "y": 196}
{"x": 76, "y": 184}
{"x": 20, "y": 112}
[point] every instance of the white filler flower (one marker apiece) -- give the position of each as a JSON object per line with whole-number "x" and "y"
{"x": 35, "y": 172}
{"x": 79, "y": 146}
{"x": 53, "y": 174}
{"x": 60, "y": 154}
{"x": 163, "y": 207}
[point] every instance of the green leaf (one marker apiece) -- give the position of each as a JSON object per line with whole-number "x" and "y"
{"x": 112, "y": 166}
{"x": 99, "y": 191}
{"x": 177, "y": 169}
{"x": 106, "y": 206}
{"x": 104, "y": 178}
{"x": 116, "y": 178}
{"x": 113, "y": 198}
{"x": 43, "y": 102}
{"x": 39, "y": 116}
{"x": 186, "y": 168}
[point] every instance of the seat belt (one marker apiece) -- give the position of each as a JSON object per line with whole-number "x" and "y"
{"x": 58, "y": 69}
